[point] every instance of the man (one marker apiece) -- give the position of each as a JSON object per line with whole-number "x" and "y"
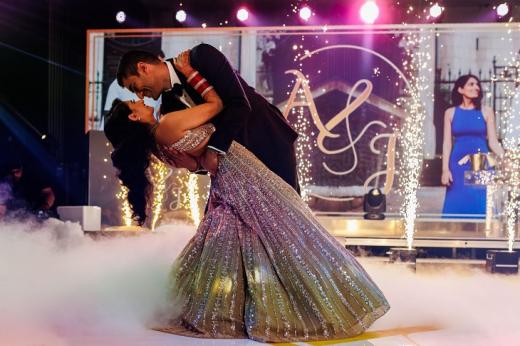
{"x": 5, "y": 194}
{"x": 115, "y": 91}
{"x": 247, "y": 118}
{"x": 25, "y": 194}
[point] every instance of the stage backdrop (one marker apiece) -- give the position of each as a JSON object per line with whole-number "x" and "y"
{"x": 347, "y": 90}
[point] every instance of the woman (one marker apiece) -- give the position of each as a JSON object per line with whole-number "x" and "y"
{"x": 260, "y": 265}
{"x": 472, "y": 126}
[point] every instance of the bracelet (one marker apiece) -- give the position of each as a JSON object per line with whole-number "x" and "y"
{"x": 193, "y": 74}
{"x": 199, "y": 83}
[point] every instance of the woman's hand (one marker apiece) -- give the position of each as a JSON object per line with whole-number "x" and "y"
{"x": 446, "y": 178}
{"x": 182, "y": 63}
{"x": 209, "y": 161}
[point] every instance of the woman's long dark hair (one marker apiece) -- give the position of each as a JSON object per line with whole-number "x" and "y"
{"x": 133, "y": 143}
{"x": 456, "y": 97}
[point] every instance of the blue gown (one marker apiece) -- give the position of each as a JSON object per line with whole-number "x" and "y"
{"x": 469, "y": 132}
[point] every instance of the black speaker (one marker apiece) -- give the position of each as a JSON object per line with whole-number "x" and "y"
{"x": 501, "y": 261}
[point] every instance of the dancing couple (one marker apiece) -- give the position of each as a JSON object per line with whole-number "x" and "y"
{"x": 260, "y": 265}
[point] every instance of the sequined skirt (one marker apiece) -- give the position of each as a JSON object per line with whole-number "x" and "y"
{"x": 261, "y": 266}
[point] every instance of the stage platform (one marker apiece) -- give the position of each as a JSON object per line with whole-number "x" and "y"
{"x": 352, "y": 230}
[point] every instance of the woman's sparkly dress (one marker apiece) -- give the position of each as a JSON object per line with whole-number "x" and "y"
{"x": 261, "y": 266}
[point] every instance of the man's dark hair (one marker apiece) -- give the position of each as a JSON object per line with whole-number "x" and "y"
{"x": 128, "y": 63}
{"x": 160, "y": 54}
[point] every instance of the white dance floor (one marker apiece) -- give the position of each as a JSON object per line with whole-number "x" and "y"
{"x": 58, "y": 287}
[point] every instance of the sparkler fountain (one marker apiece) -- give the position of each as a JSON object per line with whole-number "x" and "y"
{"x": 418, "y": 59}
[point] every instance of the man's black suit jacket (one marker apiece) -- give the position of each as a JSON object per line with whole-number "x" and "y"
{"x": 247, "y": 118}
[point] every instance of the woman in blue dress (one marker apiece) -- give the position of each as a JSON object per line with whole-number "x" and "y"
{"x": 469, "y": 127}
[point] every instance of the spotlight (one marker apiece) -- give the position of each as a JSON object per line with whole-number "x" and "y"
{"x": 502, "y": 9}
{"x": 436, "y": 10}
{"x": 242, "y": 14}
{"x": 374, "y": 205}
{"x": 369, "y": 12}
{"x": 121, "y": 16}
{"x": 305, "y": 13}
{"x": 180, "y": 16}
